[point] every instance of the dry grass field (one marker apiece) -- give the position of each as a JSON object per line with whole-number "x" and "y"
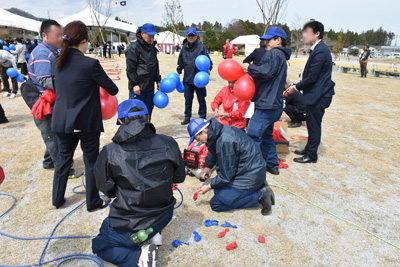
{"x": 356, "y": 177}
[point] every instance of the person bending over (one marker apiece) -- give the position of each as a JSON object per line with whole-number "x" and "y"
{"x": 138, "y": 168}
{"x": 241, "y": 180}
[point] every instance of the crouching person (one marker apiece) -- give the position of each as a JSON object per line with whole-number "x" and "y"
{"x": 241, "y": 180}
{"x": 138, "y": 168}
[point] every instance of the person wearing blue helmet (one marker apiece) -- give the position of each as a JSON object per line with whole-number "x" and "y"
{"x": 142, "y": 66}
{"x": 270, "y": 79}
{"x": 191, "y": 49}
{"x": 138, "y": 168}
{"x": 241, "y": 179}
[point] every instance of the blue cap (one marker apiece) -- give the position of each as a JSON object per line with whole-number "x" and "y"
{"x": 149, "y": 29}
{"x": 274, "y": 31}
{"x": 124, "y": 107}
{"x": 196, "y": 126}
{"x": 191, "y": 31}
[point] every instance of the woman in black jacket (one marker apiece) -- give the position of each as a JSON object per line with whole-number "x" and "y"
{"x": 77, "y": 111}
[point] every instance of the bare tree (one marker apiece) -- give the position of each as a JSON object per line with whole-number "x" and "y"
{"x": 296, "y": 36}
{"x": 172, "y": 16}
{"x": 102, "y": 7}
{"x": 273, "y": 11}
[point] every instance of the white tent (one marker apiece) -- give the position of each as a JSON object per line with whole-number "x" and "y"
{"x": 87, "y": 16}
{"x": 250, "y": 43}
{"x": 168, "y": 37}
{"x": 13, "y": 20}
{"x": 166, "y": 42}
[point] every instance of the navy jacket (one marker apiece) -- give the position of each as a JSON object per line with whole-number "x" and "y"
{"x": 138, "y": 168}
{"x": 317, "y": 76}
{"x": 77, "y": 83}
{"x": 187, "y": 57}
{"x": 142, "y": 64}
{"x": 270, "y": 78}
{"x": 296, "y": 99}
{"x": 239, "y": 160}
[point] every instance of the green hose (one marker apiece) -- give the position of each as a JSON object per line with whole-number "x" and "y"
{"x": 337, "y": 216}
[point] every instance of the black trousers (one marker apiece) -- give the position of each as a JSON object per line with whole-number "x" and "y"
{"x": 67, "y": 143}
{"x": 295, "y": 114}
{"x": 5, "y": 77}
{"x": 314, "y": 116}
{"x": 201, "y": 97}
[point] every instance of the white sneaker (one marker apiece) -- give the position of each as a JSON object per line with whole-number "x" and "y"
{"x": 6, "y": 94}
{"x": 13, "y": 96}
{"x": 148, "y": 256}
{"x": 156, "y": 240}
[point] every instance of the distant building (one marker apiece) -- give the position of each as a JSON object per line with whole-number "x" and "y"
{"x": 375, "y": 49}
{"x": 390, "y": 51}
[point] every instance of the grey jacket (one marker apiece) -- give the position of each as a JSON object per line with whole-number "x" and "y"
{"x": 20, "y": 51}
{"x": 7, "y": 60}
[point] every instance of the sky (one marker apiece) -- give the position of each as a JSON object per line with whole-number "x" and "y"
{"x": 339, "y": 14}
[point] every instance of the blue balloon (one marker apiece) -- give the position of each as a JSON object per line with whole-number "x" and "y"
{"x": 203, "y": 63}
{"x": 11, "y": 72}
{"x": 1, "y": 42}
{"x": 32, "y": 42}
{"x": 25, "y": 45}
{"x": 11, "y": 47}
{"x": 27, "y": 55}
{"x": 160, "y": 99}
{"x": 167, "y": 85}
{"x": 5, "y": 48}
{"x": 174, "y": 76}
{"x": 20, "y": 78}
{"x": 180, "y": 88}
{"x": 201, "y": 79}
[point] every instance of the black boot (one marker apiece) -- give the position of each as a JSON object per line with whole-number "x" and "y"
{"x": 274, "y": 170}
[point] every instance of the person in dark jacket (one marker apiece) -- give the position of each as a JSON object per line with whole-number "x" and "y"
{"x": 241, "y": 180}
{"x": 142, "y": 66}
{"x": 256, "y": 56}
{"x": 270, "y": 78}
{"x": 317, "y": 87}
{"x": 295, "y": 109}
{"x": 77, "y": 111}
{"x": 138, "y": 168}
{"x": 192, "y": 48}
{"x": 105, "y": 50}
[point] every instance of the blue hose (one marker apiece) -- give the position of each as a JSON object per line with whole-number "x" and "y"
{"x": 49, "y": 238}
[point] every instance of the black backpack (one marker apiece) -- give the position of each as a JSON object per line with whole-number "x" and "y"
{"x": 30, "y": 93}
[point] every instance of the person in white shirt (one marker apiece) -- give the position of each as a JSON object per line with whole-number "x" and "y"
{"x": 7, "y": 61}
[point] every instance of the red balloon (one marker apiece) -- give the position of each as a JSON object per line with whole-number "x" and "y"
{"x": 244, "y": 88}
{"x": 109, "y": 104}
{"x": 230, "y": 70}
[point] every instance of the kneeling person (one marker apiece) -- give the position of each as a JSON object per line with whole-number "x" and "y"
{"x": 138, "y": 168}
{"x": 241, "y": 180}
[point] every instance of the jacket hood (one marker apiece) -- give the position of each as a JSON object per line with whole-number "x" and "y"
{"x": 134, "y": 131}
{"x": 187, "y": 45}
{"x": 214, "y": 132}
{"x": 286, "y": 51}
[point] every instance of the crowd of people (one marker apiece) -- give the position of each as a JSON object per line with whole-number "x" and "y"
{"x": 139, "y": 167}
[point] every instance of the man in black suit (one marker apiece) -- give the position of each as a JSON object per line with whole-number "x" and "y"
{"x": 317, "y": 87}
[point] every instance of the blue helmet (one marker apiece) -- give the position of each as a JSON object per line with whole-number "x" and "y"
{"x": 196, "y": 126}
